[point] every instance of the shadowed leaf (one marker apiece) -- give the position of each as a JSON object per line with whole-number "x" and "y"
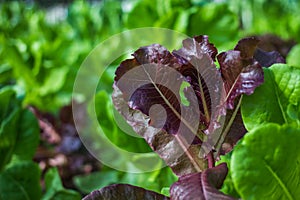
{"x": 266, "y": 59}
{"x": 124, "y": 192}
{"x": 201, "y": 186}
{"x": 241, "y": 76}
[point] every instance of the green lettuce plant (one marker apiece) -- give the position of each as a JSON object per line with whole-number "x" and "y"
{"x": 19, "y": 137}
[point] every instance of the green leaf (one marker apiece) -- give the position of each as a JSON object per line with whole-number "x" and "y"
{"x": 228, "y": 186}
{"x": 206, "y": 20}
{"x": 259, "y": 17}
{"x": 265, "y": 164}
{"x": 95, "y": 180}
{"x": 8, "y": 135}
{"x": 21, "y": 181}
{"x": 6, "y": 96}
{"x": 28, "y": 136}
{"x": 293, "y": 111}
{"x": 293, "y": 57}
{"x": 155, "y": 180}
{"x": 20, "y": 67}
{"x": 5, "y": 73}
{"x": 54, "y": 81}
{"x": 270, "y": 102}
{"x": 143, "y": 14}
{"x": 165, "y": 191}
{"x": 19, "y": 130}
{"x": 55, "y": 189}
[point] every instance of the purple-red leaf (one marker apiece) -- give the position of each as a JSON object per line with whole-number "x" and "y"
{"x": 266, "y": 59}
{"x": 241, "y": 73}
{"x": 124, "y": 192}
{"x": 236, "y": 131}
{"x": 247, "y": 47}
{"x": 147, "y": 94}
{"x": 182, "y": 159}
{"x": 147, "y": 85}
{"x": 197, "y": 47}
{"x": 200, "y": 71}
{"x": 269, "y": 42}
{"x": 201, "y": 186}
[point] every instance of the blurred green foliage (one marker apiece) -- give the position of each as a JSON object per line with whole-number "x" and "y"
{"x": 41, "y": 51}
{"x": 19, "y": 138}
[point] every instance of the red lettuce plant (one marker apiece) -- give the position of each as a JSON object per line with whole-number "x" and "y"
{"x": 189, "y": 137}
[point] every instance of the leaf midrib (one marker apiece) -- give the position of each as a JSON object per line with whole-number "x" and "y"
{"x": 277, "y": 96}
{"x": 179, "y": 139}
{"x": 24, "y": 192}
{"x": 277, "y": 178}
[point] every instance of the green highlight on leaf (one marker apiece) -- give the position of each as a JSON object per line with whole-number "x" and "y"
{"x": 19, "y": 138}
{"x": 265, "y": 164}
{"x": 276, "y": 100}
{"x": 55, "y": 189}
{"x": 165, "y": 191}
{"x": 95, "y": 180}
{"x": 183, "y": 99}
{"x": 27, "y": 136}
{"x": 293, "y": 57}
{"x": 228, "y": 185}
{"x": 21, "y": 181}
{"x": 19, "y": 130}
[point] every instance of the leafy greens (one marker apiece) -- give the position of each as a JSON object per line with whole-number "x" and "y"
{"x": 19, "y": 138}
{"x": 147, "y": 93}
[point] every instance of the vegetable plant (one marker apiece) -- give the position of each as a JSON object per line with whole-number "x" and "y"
{"x": 40, "y": 57}
{"x": 227, "y": 124}
{"x": 19, "y": 137}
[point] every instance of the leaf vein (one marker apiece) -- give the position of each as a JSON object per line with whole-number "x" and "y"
{"x": 284, "y": 188}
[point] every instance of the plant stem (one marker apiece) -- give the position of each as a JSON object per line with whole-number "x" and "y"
{"x": 185, "y": 147}
{"x": 210, "y": 159}
{"x": 227, "y": 128}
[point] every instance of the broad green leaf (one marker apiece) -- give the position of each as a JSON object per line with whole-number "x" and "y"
{"x": 259, "y": 16}
{"x": 6, "y": 96}
{"x": 293, "y": 57}
{"x": 165, "y": 191}
{"x": 20, "y": 67}
{"x": 154, "y": 181}
{"x": 28, "y": 135}
{"x": 8, "y": 136}
{"x": 21, "y": 181}
{"x": 19, "y": 130}
{"x": 293, "y": 112}
{"x": 55, "y": 189}
{"x": 265, "y": 164}
{"x": 206, "y": 20}
{"x": 143, "y": 14}
{"x": 5, "y": 73}
{"x": 271, "y": 101}
{"x": 228, "y": 186}
{"x": 54, "y": 81}
{"x": 95, "y": 180}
